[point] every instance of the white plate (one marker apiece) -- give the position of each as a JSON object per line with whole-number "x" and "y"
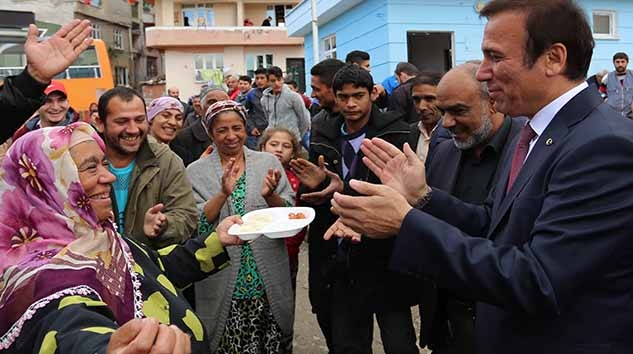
{"x": 272, "y": 222}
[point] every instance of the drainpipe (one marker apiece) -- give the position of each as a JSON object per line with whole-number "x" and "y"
{"x": 315, "y": 32}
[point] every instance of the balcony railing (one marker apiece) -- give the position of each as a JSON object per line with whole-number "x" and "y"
{"x": 161, "y": 37}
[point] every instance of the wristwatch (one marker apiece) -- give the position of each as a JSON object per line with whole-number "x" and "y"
{"x": 425, "y": 199}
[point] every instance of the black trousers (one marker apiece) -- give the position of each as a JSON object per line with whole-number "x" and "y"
{"x": 352, "y": 323}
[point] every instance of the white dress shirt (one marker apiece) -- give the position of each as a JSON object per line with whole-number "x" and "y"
{"x": 544, "y": 117}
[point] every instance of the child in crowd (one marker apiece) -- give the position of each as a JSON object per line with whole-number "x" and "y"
{"x": 282, "y": 143}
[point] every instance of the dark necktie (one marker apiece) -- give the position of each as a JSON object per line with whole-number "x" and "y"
{"x": 520, "y": 153}
{"x": 349, "y": 155}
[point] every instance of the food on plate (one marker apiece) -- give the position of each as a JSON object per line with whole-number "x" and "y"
{"x": 256, "y": 222}
{"x": 294, "y": 216}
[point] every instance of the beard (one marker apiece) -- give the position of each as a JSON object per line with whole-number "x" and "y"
{"x": 478, "y": 137}
{"x": 114, "y": 143}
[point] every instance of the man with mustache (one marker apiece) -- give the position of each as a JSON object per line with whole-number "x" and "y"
{"x": 620, "y": 86}
{"x": 466, "y": 167}
{"x": 151, "y": 187}
{"x": 427, "y": 132}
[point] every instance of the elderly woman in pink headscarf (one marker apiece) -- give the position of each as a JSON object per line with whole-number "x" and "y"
{"x": 69, "y": 283}
{"x": 165, "y": 117}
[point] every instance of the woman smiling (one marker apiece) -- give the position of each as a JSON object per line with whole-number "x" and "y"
{"x": 165, "y": 117}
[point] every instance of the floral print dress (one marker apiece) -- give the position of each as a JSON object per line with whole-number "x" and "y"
{"x": 250, "y": 326}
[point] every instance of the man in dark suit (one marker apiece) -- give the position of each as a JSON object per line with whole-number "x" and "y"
{"x": 466, "y": 167}
{"x": 550, "y": 259}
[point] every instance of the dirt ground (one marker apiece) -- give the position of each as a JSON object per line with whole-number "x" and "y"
{"x": 308, "y": 338}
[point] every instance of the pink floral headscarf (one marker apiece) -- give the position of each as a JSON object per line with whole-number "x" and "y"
{"x": 51, "y": 242}
{"x": 162, "y": 104}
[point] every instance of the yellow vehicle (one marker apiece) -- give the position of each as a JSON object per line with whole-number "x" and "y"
{"x": 85, "y": 80}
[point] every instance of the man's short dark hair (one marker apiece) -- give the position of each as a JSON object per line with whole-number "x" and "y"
{"x": 275, "y": 71}
{"x": 245, "y": 78}
{"x": 548, "y": 22}
{"x": 407, "y": 68}
{"x": 353, "y": 74}
{"x": 356, "y": 57}
{"x": 292, "y": 83}
{"x": 620, "y": 55}
{"x": 326, "y": 69}
{"x": 261, "y": 71}
{"x": 426, "y": 78}
{"x": 126, "y": 94}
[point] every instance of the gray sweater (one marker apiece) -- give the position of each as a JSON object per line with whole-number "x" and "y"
{"x": 286, "y": 110}
{"x": 213, "y": 295}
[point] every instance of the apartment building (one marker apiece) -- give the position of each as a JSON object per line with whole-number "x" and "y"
{"x": 120, "y": 23}
{"x": 203, "y": 40}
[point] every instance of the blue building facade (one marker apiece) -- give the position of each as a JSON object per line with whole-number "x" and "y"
{"x": 448, "y": 31}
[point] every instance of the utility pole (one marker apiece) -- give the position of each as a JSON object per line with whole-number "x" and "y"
{"x": 315, "y": 32}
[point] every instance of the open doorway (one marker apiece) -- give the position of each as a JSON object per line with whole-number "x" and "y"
{"x": 430, "y": 51}
{"x": 295, "y": 70}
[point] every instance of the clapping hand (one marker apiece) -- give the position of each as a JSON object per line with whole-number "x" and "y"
{"x": 308, "y": 173}
{"x": 155, "y": 221}
{"x": 50, "y": 57}
{"x": 377, "y": 213}
{"x": 402, "y": 171}
{"x": 230, "y": 176}
{"x": 147, "y": 335}
{"x": 324, "y": 196}
{"x": 271, "y": 181}
{"x": 338, "y": 229}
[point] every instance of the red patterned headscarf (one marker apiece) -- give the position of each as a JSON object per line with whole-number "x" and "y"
{"x": 219, "y": 107}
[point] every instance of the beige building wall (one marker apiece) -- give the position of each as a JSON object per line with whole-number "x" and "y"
{"x": 53, "y": 11}
{"x": 225, "y": 15}
{"x": 180, "y": 70}
{"x": 255, "y": 13}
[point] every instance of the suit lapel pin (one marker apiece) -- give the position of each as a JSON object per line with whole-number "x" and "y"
{"x": 549, "y": 142}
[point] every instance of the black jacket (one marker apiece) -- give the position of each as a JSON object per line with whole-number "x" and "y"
{"x": 367, "y": 261}
{"x": 20, "y": 97}
{"x": 191, "y": 142}
{"x": 400, "y": 101}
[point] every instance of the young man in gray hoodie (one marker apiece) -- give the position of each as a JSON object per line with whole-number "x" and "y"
{"x": 284, "y": 107}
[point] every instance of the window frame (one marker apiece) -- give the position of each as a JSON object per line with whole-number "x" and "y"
{"x": 117, "y": 42}
{"x": 613, "y": 24}
{"x": 96, "y": 31}
{"x": 250, "y": 70}
{"x": 205, "y": 65}
{"x": 193, "y": 22}
{"x": 329, "y": 53}
{"x": 118, "y": 70}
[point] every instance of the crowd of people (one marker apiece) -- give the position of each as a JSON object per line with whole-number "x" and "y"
{"x": 496, "y": 196}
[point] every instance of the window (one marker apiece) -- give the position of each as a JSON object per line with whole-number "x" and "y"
{"x": 118, "y": 39}
{"x": 208, "y": 67}
{"x": 120, "y": 75}
{"x": 329, "y": 47}
{"x": 254, "y": 61}
{"x": 605, "y": 24}
{"x": 270, "y": 12}
{"x": 152, "y": 67}
{"x": 94, "y": 3}
{"x": 96, "y": 31}
{"x": 200, "y": 15}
